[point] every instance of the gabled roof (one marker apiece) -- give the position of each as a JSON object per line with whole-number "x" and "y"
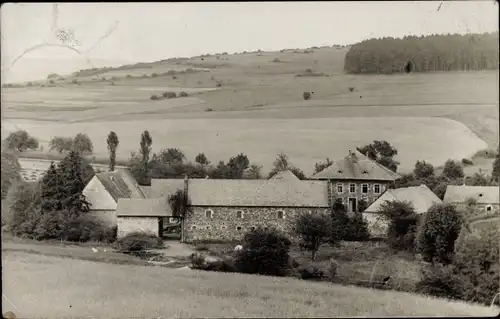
{"x": 356, "y": 166}
{"x": 165, "y": 187}
{"x": 285, "y": 175}
{"x": 482, "y": 194}
{"x": 260, "y": 193}
{"x": 152, "y": 207}
{"x": 421, "y": 197}
{"x": 120, "y": 184}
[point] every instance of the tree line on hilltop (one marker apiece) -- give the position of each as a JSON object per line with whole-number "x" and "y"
{"x": 451, "y": 52}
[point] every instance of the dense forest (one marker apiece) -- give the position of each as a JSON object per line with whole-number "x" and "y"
{"x": 451, "y": 52}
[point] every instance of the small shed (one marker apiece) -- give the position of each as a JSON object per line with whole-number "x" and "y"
{"x": 146, "y": 215}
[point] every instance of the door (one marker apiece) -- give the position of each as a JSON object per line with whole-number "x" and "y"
{"x": 352, "y": 205}
{"x": 160, "y": 227}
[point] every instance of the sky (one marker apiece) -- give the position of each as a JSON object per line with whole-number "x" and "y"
{"x": 143, "y": 32}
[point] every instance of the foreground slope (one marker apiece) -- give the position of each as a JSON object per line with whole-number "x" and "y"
{"x": 40, "y": 286}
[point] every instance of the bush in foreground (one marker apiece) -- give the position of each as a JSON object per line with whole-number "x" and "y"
{"x": 306, "y": 95}
{"x": 265, "y": 252}
{"x": 138, "y": 241}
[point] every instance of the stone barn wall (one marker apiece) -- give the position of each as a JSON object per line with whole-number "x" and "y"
{"x": 226, "y": 224}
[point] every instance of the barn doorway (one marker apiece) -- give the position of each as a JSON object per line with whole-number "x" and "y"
{"x": 171, "y": 228}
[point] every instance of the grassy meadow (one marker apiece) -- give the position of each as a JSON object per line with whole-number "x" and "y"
{"x": 33, "y": 284}
{"x": 253, "y": 103}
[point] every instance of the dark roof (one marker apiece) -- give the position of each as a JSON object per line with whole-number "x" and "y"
{"x": 120, "y": 184}
{"x": 137, "y": 207}
{"x": 421, "y": 197}
{"x": 356, "y": 166}
{"x": 482, "y": 194}
{"x": 260, "y": 193}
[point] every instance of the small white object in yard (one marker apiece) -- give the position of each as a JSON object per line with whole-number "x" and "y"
{"x": 104, "y": 250}
{"x": 238, "y": 248}
{"x": 94, "y": 250}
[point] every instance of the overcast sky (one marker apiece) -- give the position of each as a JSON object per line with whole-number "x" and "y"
{"x": 155, "y": 31}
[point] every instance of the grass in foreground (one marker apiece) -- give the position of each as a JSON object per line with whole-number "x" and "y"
{"x": 41, "y": 286}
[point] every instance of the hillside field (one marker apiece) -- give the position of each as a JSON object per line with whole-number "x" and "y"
{"x": 47, "y": 287}
{"x": 253, "y": 103}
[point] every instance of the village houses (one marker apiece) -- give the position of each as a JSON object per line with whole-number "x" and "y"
{"x": 224, "y": 209}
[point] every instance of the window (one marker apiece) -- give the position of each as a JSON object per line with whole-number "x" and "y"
{"x": 376, "y": 189}
{"x": 340, "y": 188}
{"x": 193, "y": 227}
{"x": 352, "y": 188}
{"x": 238, "y": 228}
{"x": 364, "y": 188}
{"x": 488, "y": 208}
{"x": 223, "y": 227}
{"x": 208, "y": 227}
{"x": 252, "y": 228}
{"x": 280, "y": 214}
{"x": 239, "y": 214}
{"x": 209, "y": 213}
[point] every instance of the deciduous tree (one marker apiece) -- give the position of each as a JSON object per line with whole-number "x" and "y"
{"x": 112, "y": 142}
{"x": 314, "y": 230}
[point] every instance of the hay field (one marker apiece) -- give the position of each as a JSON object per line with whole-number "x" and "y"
{"x": 257, "y": 108}
{"x": 305, "y": 141}
{"x": 48, "y": 287}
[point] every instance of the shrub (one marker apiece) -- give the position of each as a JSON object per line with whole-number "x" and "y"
{"x": 154, "y": 97}
{"x": 74, "y": 81}
{"x": 82, "y": 143}
{"x": 423, "y": 169}
{"x": 264, "y": 252}
{"x": 357, "y": 229}
{"x": 440, "y": 281}
{"x": 486, "y": 153}
{"x": 314, "y": 230}
{"x": 154, "y": 75}
{"x": 218, "y": 85}
{"x": 306, "y": 95}
{"x": 311, "y": 271}
{"x": 170, "y": 95}
{"x": 466, "y": 161}
{"x": 402, "y": 221}
{"x": 208, "y": 109}
{"x": 138, "y": 241}
{"x": 453, "y": 170}
{"x": 21, "y": 141}
{"x": 89, "y": 228}
{"x": 276, "y": 60}
{"x": 477, "y": 264}
{"x": 438, "y": 232}
{"x": 128, "y": 76}
{"x": 183, "y": 94}
{"x": 351, "y": 89}
{"x": 174, "y": 77}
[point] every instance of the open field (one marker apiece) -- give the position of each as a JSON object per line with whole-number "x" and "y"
{"x": 259, "y": 99}
{"x": 48, "y": 287}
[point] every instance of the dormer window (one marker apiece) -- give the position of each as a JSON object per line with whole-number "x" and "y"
{"x": 376, "y": 189}
{"x": 488, "y": 208}
{"x": 365, "y": 172}
{"x": 340, "y": 188}
{"x": 239, "y": 214}
{"x": 480, "y": 195}
{"x": 339, "y": 171}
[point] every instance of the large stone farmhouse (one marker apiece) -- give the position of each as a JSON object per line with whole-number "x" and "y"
{"x": 420, "y": 197}
{"x": 355, "y": 178}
